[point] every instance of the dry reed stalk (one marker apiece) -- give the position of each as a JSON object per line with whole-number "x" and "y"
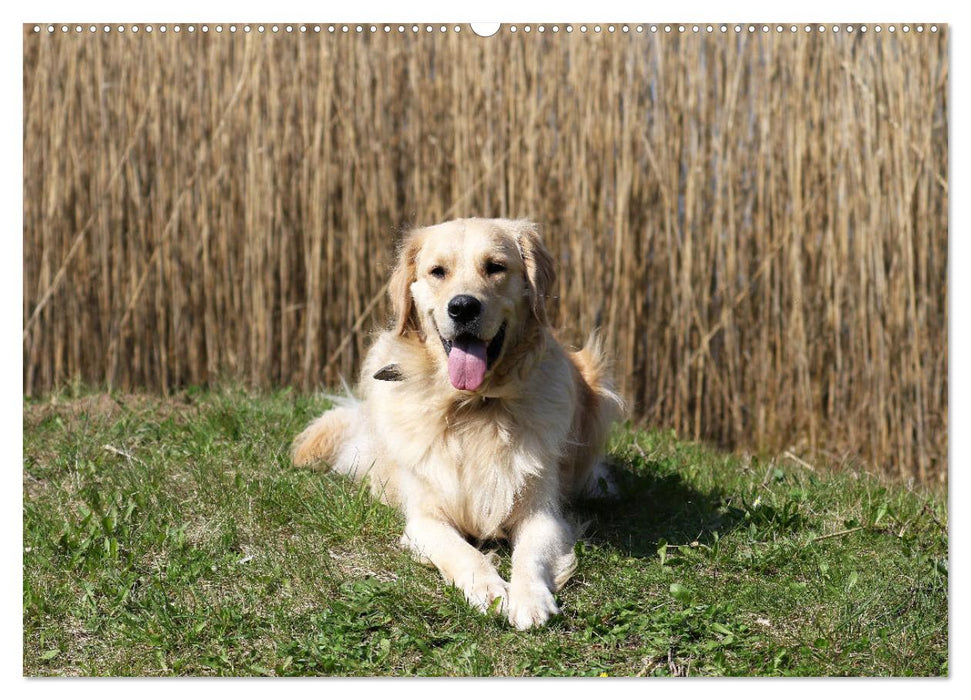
{"x": 758, "y": 222}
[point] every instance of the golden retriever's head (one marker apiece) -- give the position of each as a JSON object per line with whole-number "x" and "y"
{"x": 472, "y": 286}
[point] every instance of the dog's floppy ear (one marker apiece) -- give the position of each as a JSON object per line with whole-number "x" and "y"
{"x": 403, "y": 306}
{"x": 540, "y": 271}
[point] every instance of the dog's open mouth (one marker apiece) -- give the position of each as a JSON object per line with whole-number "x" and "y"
{"x": 469, "y": 358}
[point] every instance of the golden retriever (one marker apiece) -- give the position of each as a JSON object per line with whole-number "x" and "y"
{"x": 472, "y": 418}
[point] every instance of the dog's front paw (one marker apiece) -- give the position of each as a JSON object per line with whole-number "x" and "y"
{"x": 531, "y": 605}
{"x": 483, "y": 591}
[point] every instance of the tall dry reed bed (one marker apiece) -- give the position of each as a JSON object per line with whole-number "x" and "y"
{"x": 757, "y": 221}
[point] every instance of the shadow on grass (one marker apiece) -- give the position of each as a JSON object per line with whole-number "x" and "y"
{"x": 655, "y": 506}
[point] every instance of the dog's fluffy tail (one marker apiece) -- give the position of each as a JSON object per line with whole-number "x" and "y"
{"x": 597, "y": 371}
{"x": 599, "y": 406}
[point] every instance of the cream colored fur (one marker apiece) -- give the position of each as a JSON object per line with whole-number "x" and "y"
{"x": 498, "y": 462}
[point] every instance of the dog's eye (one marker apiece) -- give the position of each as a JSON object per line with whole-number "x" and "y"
{"x": 437, "y": 271}
{"x": 494, "y": 268}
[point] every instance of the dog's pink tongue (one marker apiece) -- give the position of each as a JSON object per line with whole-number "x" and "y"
{"x": 467, "y": 363}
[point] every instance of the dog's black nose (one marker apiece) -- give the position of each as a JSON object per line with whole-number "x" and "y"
{"x": 464, "y": 308}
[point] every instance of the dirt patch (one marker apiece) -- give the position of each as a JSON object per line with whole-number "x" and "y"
{"x": 107, "y": 407}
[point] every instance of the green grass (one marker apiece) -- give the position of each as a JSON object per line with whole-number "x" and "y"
{"x": 172, "y": 537}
